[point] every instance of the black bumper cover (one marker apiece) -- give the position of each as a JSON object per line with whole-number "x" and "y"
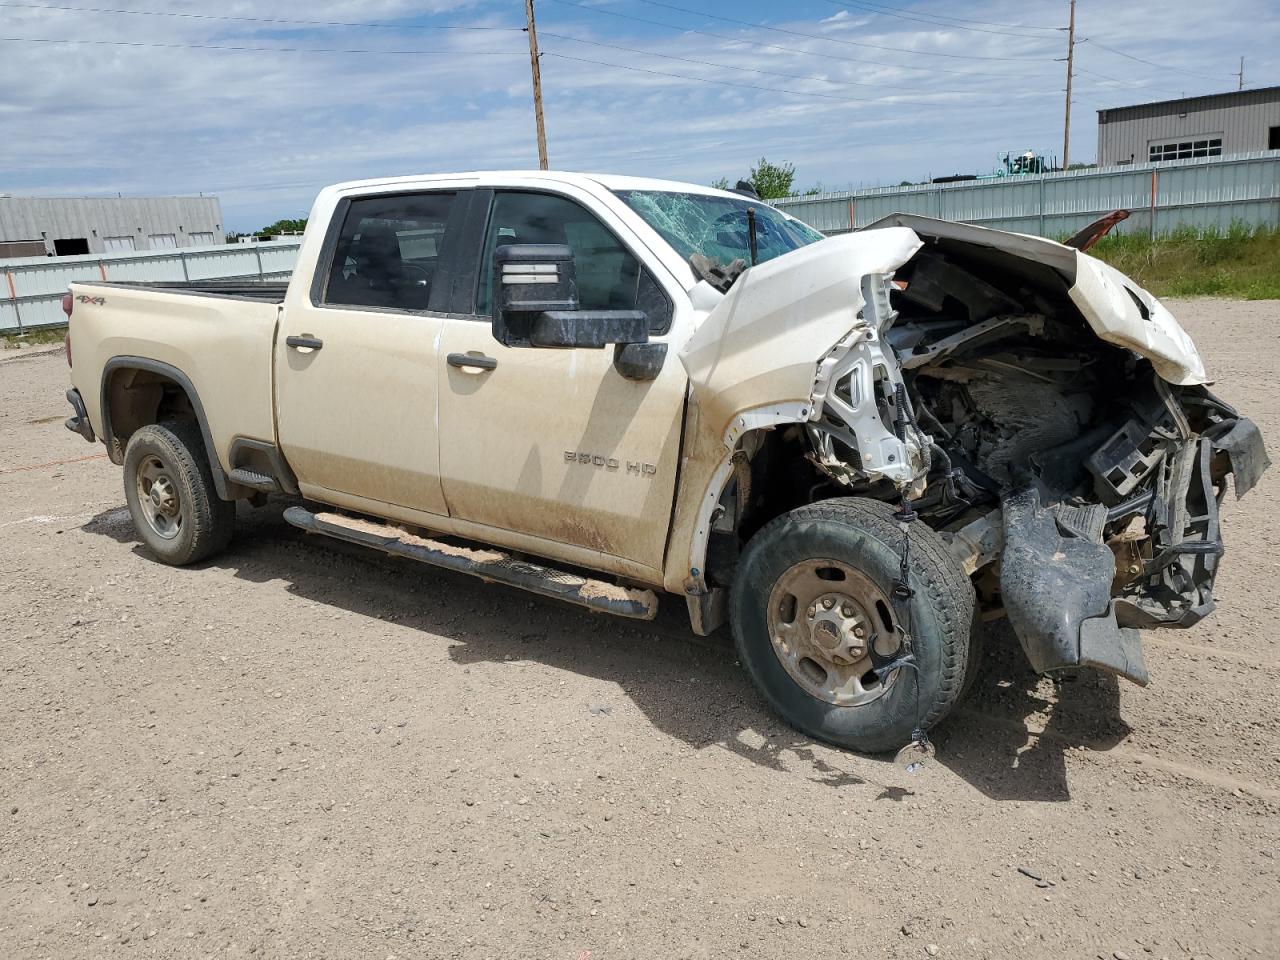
{"x": 1057, "y": 574}
{"x": 80, "y": 422}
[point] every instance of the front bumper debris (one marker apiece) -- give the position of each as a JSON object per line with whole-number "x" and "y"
{"x": 80, "y": 422}
{"x": 1078, "y": 598}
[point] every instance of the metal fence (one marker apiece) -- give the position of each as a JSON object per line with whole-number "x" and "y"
{"x": 31, "y": 296}
{"x": 1200, "y": 194}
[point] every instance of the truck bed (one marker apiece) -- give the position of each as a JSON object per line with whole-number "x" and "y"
{"x": 261, "y": 291}
{"x": 216, "y": 334}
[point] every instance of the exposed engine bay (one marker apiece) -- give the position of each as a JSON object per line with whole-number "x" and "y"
{"x": 1078, "y": 483}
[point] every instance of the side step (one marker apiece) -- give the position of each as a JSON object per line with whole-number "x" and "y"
{"x": 487, "y": 563}
{"x": 254, "y": 480}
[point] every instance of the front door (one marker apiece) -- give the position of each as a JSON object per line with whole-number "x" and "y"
{"x": 356, "y": 378}
{"x": 558, "y": 444}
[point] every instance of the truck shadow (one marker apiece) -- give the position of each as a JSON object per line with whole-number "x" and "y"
{"x": 1011, "y": 735}
{"x": 1008, "y": 739}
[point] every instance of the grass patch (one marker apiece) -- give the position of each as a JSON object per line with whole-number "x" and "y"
{"x": 1243, "y": 262}
{"x": 45, "y": 335}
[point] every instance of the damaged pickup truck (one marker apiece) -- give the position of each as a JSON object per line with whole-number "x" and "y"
{"x": 853, "y": 449}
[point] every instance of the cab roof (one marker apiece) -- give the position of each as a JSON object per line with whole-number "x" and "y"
{"x": 607, "y": 180}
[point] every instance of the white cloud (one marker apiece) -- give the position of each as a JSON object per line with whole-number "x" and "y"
{"x": 265, "y": 130}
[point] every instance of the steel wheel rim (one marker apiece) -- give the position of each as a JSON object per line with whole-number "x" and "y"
{"x": 823, "y": 616}
{"x": 158, "y": 498}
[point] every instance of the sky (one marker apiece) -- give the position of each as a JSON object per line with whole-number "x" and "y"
{"x": 263, "y": 102}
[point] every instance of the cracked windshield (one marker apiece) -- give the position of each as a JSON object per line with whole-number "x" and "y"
{"x": 716, "y": 226}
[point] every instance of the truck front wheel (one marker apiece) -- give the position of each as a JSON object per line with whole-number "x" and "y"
{"x": 813, "y": 614}
{"x": 172, "y": 500}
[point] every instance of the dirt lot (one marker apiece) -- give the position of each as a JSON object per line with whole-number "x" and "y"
{"x": 304, "y": 751}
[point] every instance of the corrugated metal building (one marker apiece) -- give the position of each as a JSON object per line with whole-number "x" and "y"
{"x": 1210, "y": 126}
{"x": 66, "y": 226}
{"x": 1213, "y": 193}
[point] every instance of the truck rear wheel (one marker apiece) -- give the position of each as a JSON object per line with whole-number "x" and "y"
{"x": 169, "y": 488}
{"x": 812, "y": 602}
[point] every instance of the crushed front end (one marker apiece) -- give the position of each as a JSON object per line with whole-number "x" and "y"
{"x": 1050, "y": 417}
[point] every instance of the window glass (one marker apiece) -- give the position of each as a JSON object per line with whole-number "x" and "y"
{"x": 609, "y": 275}
{"x": 1181, "y": 150}
{"x": 389, "y": 250}
{"x": 715, "y": 226}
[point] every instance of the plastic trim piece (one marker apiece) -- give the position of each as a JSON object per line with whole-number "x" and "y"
{"x": 80, "y": 422}
{"x": 115, "y": 364}
{"x": 281, "y": 477}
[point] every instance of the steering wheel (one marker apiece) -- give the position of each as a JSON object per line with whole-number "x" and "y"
{"x": 415, "y": 275}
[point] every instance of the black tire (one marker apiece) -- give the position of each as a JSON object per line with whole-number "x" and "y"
{"x": 201, "y": 522}
{"x": 862, "y": 535}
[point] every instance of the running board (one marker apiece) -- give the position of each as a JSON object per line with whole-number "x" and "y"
{"x": 487, "y": 563}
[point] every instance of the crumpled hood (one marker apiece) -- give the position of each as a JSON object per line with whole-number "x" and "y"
{"x": 761, "y": 343}
{"x": 1121, "y": 312}
{"x": 1118, "y": 310}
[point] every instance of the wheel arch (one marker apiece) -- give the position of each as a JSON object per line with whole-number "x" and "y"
{"x": 753, "y": 437}
{"x": 127, "y": 414}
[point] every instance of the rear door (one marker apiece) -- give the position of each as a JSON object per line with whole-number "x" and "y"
{"x": 356, "y": 375}
{"x": 557, "y": 444}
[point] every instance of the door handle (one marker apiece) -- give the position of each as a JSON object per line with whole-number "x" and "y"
{"x": 304, "y": 342}
{"x": 467, "y": 360}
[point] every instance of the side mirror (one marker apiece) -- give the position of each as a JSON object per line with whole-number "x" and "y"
{"x": 535, "y": 302}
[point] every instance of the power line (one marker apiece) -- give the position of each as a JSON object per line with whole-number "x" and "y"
{"x": 943, "y": 16}
{"x": 1149, "y": 63}
{"x": 729, "y": 66}
{"x": 721, "y": 83}
{"x": 778, "y": 46}
{"x": 240, "y": 49}
{"x": 463, "y": 53}
{"x": 958, "y": 25}
{"x": 262, "y": 20}
{"x": 1104, "y": 77}
{"x": 852, "y": 43}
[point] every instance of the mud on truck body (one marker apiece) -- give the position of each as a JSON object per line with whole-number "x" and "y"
{"x": 869, "y": 444}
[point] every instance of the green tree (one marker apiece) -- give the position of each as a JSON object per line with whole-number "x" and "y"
{"x": 773, "y": 181}
{"x": 721, "y": 184}
{"x": 284, "y": 226}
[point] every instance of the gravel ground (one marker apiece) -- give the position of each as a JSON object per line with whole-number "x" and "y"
{"x": 298, "y": 750}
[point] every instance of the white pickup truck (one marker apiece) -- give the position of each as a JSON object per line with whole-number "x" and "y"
{"x": 603, "y": 388}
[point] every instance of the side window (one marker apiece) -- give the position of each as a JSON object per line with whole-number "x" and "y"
{"x": 609, "y": 275}
{"x": 388, "y": 251}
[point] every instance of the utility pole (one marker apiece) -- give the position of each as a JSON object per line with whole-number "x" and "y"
{"x": 1241, "y": 74}
{"x": 1066, "y": 117}
{"x": 532, "y": 30}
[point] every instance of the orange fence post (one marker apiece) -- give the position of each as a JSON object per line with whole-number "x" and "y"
{"x": 13, "y": 295}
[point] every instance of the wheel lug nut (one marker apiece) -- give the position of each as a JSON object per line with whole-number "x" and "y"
{"x": 859, "y": 632}
{"x": 828, "y": 603}
{"x": 811, "y": 612}
{"x": 846, "y": 610}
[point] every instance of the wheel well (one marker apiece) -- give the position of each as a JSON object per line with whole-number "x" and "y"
{"x": 135, "y": 398}
{"x": 772, "y": 475}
